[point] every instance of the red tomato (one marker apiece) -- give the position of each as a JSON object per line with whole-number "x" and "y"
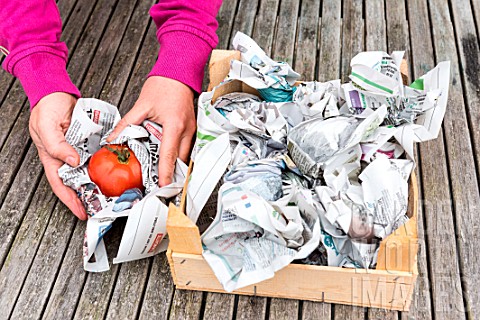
{"x": 114, "y": 169}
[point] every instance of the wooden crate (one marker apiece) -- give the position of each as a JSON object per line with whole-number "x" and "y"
{"x": 389, "y": 286}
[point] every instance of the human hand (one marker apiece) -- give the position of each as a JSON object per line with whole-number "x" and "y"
{"x": 49, "y": 121}
{"x": 169, "y": 103}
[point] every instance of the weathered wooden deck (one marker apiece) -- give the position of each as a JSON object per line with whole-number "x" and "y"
{"x": 113, "y": 46}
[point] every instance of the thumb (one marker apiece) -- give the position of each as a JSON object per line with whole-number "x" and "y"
{"x": 132, "y": 117}
{"x": 58, "y": 148}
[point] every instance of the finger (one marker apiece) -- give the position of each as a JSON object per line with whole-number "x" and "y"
{"x": 57, "y": 147}
{"x": 185, "y": 148}
{"x": 134, "y": 116}
{"x": 168, "y": 154}
{"x": 64, "y": 193}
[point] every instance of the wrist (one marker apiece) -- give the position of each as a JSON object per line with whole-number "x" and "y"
{"x": 182, "y": 57}
{"x": 42, "y": 73}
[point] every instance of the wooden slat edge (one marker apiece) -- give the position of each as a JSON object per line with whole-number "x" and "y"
{"x": 183, "y": 233}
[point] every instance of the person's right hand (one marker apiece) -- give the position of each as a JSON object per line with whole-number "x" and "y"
{"x": 49, "y": 121}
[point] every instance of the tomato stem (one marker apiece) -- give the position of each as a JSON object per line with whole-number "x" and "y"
{"x": 123, "y": 154}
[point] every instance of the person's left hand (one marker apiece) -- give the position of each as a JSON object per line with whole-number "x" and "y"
{"x": 169, "y": 103}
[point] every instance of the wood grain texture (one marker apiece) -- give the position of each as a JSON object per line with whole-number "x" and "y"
{"x": 251, "y": 308}
{"x": 13, "y": 209}
{"x": 225, "y": 18}
{"x": 283, "y": 309}
{"x": 421, "y": 61}
{"x": 342, "y": 312}
{"x": 307, "y": 39}
{"x": 284, "y": 45}
{"x": 23, "y": 250}
{"x": 330, "y": 46}
{"x": 316, "y": 310}
{"x": 265, "y": 24}
{"x": 352, "y": 34}
{"x": 245, "y": 17}
{"x": 65, "y": 292}
{"x": 468, "y": 49}
{"x": 129, "y": 287}
{"x": 42, "y": 273}
{"x": 219, "y": 306}
{"x": 375, "y": 26}
{"x": 95, "y": 291}
{"x": 186, "y": 305}
{"x": 460, "y": 159}
{"x": 159, "y": 291}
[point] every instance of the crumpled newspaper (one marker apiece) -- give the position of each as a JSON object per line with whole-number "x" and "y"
{"x": 273, "y": 80}
{"x": 336, "y": 161}
{"x": 415, "y": 112}
{"x": 250, "y": 238}
{"x": 92, "y": 121}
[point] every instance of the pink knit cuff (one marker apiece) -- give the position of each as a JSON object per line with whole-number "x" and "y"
{"x": 182, "y": 57}
{"x": 41, "y": 73}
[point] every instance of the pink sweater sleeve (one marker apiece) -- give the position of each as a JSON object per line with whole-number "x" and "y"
{"x": 186, "y": 33}
{"x": 30, "y": 31}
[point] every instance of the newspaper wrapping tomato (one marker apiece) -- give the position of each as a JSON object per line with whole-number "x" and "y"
{"x": 115, "y": 169}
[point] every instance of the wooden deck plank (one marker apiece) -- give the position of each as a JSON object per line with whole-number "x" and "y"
{"x": 245, "y": 17}
{"x": 159, "y": 292}
{"x": 264, "y": 22}
{"x": 469, "y": 51}
{"x": 344, "y": 312}
{"x": 64, "y": 295}
{"x": 330, "y": 39}
{"x": 283, "y": 309}
{"x": 94, "y": 292}
{"x": 45, "y": 266}
{"x": 225, "y": 18}
{"x": 307, "y": 39}
{"x": 375, "y": 26}
{"x": 397, "y": 26}
{"x": 352, "y": 34}
{"x": 14, "y": 207}
{"x": 126, "y": 298}
{"x": 219, "y": 306}
{"x": 421, "y": 56}
{"x": 24, "y": 248}
{"x": 284, "y": 44}
{"x": 421, "y": 60}
{"x": 251, "y": 308}
{"x": 460, "y": 159}
{"x": 13, "y": 104}
{"x": 107, "y": 49}
{"x": 316, "y": 310}
{"x": 186, "y": 305}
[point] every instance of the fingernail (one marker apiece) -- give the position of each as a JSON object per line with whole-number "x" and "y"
{"x": 71, "y": 161}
